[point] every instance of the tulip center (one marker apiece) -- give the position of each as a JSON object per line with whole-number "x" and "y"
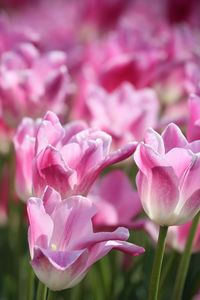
{"x": 53, "y": 247}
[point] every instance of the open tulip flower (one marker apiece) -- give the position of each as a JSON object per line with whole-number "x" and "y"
{"x": 168, "y": 179}
{"x": 69, "y": 158}
{"x": 63, "y": 246}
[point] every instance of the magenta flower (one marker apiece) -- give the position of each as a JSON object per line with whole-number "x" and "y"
{"x": 117, "y": 203}
{"x": 168, "y": 178}
{"x": 125, "y": 113}
{"x": 31, "y": 83}
{"x": 69, "y": 158}
{"x": 63, "y": 246}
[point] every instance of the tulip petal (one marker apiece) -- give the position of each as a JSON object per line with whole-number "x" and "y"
{"x": 110, "y": 159}
{"x": 50, "y": 169}
{"x": 190, "y": 208}
{"x": 71, "y": 154}
{"x": 164, "y": 195}
{"x": 72, "y": 129}
{"x": 50, "y": 198}
{"x": 89, "y": 135}
{"x": 58, "y": 277}
{"x": 39, "y": 232}
{"x": 61, "y": 260}
{"x": 153, "y": 139}
{"x": 120, "y": 233}
{"x": 181, "y": 159}
{"x": 146, "y": 158}
{"x": 101, "y": 249}
{"x": 72, "y": 218}
{"x": 50, "y": 132}
{"x": 190, "y": 181}
{"x": 173, "y": 137}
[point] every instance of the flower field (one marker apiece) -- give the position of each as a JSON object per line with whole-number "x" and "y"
{"x": 99, "y": 150}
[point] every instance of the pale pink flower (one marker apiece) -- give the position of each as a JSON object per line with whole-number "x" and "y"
{"x": 117, "y": 203}
{"x": 63, "y": 246}
{"x": 125, "y": 113}
{"x": 168, "y": 177}
{"x": 68, "y": 158}
{"x": 31, "y": 83}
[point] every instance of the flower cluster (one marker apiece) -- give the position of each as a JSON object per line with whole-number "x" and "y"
{"x": 59, "y": 165}
{"x": 99, "y": 135}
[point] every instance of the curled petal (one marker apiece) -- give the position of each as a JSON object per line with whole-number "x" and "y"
{"x": 110, "y": 159}
{"x": 101, "y": 249}
{"x": 39, "y": 232}
{"x": 58, "y": 277}
{"x": 72, "y": 129}
{"x": 50, "y": 132}
{"x": 173, "y": 137}
{"x": 50, "y": 169}
{"x": 153, "y": 139}
{"x": 146, "y": 158}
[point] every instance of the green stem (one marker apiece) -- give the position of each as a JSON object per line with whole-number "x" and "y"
{"x": 41, "y": 291}
{"x": 30, "y": 283}
{"x": 51, "y": 295}
{"x": 185, "y": 261}
{"x": 157, "y": 264}
{"x": 165, "y": 272}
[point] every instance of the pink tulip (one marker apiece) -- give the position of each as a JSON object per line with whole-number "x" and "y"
{"x": 117, "y": 203}
{"x": 24, "y": 143}
{"x": 168, "y": 178}
{"x": 63, "y": 246}
{"x": 69, "y": 158}
{"x": 125, "y": 113}
{"x": 193, "y": 130}
{"x": 31, "y": 83}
